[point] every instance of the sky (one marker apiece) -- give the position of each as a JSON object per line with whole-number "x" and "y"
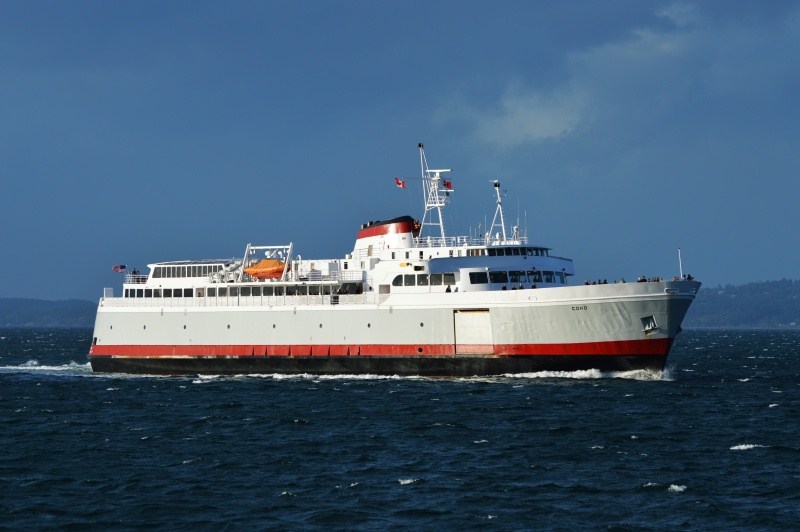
{"x": 621, "y": 131}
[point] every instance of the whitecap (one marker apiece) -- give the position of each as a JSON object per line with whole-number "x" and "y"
{"x": 746, "y": 446}
{"x": 481, "y": 441}
{"x": 773, "y": 405}
{"x": 674, "y": 488}
{"x": 33, "y": 366}
{"x": 406, "y": 481}
{"x": 744, "y": 380}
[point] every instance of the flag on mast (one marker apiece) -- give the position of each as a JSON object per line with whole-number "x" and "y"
{"x": 119, "y": 268}
{"x": 401, "y": 183}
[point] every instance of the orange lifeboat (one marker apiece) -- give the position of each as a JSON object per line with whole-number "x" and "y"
{"x": 266, "y": 269}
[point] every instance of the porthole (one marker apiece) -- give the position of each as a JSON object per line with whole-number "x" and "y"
{"x": 229, "y": 326}
{"x": 144, "y": 326}
{"x": 111, "y": 327}
{"x": 320, "y": 326}
{"x": 184, "y": 326}
{"x": 421, "y": 324}
{"x": 419, "y": 350}
{"x": 369, "y": 325}
{"x": 273, "y": 325}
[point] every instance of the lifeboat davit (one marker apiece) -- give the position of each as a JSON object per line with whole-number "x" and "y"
{"x": 266, "y": 269}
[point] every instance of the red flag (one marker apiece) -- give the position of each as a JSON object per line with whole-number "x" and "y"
{"x": 447, "y": 184}
{"x": 400, "y": 182}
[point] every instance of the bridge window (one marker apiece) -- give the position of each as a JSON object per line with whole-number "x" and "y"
{"x": 561, "y": 277}
{"x": 449, "y": 278}
{"x": 549, "y": 277}
{"x": 436, "y": 279}
{"x": 516, "y": 277}
{"x": 398, "y": 281}
{"x": 498, "y": 277}
{"x": 478, "y": 278}
{"x": 535, "y": 276}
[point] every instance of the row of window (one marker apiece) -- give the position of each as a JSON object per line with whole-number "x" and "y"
{"x": 196, "y": 270}
{"x": 232, "y": 291}
{"x": 517, "y": 277}
{"x": 501, "y": 252}
{"x": 424, "y": 279}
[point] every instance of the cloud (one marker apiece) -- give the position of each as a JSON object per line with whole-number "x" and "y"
{"x": 521, "y": 117}
{"x": 680, "y": 14}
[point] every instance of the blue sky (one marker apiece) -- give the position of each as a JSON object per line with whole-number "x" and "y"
{"x": 136, "y": 132}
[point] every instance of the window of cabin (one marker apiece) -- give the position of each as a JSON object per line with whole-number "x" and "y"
{"x": 148, "y": 292}
{"x": 561, "y": 277}
{"x": 492, "y": 252}
{"x": 256, "y": 291}
{"x": 449, "y": 278}
{"x": 397, "y": 281}
{"x": 188, "y": 292}
{"x": 245, "y": 291}
{"x": 549, "y": 277}
{"x": 278, "y": 290}
{"x": 422, "y": 279}
{"x": 435, "y": 279}
{"x": 223, "y": 291}
{"x": 177, "y": 292}
{"x": 233, "y": 291}
{"x": 268, "y": 291}
{"x": 409, "y": 280}
{"x": 498, "y": 277}
{"x": 517, "y": 277}
{"x": 212, "y": 292}
{"x": 478, "y": 278}
{"x": 535, "y": 276}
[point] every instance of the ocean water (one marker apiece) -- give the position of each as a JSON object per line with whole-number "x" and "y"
{"x": 713, "y": 443}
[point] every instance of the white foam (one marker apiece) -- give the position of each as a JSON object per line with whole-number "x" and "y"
{"x": 674, "y": 488}
{"x": 33, "y": 366}
{"x": 773, "y": 405}
{"x": 746, "y": 446}
{"x": 406, "y": 481}
{"x": 481, "y": 441}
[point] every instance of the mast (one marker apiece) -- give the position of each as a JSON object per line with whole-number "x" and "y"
{"x": 498, "y": 213}
{"x": 435, "y": 192}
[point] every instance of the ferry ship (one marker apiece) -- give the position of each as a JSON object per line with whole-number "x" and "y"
{"x": 408, "y": 300}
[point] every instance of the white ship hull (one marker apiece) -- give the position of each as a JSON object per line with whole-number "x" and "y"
{"x": 584, "y": 327}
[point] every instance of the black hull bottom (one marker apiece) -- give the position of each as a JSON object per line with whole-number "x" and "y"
{"x": 458, "y": 366}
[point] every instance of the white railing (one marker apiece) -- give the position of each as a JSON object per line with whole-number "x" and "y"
{"x": 243, "y": 301}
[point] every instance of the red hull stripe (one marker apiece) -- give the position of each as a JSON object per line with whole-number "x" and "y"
{"x": 658, "y": 346}
{"x": 386, "y": 229}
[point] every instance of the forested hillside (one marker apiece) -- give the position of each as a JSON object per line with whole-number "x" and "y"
{"x": 771, "y": 304}
{"x": 15, "y": 312}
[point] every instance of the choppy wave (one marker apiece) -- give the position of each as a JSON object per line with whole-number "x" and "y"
{"x": 746, "y": 446}
{"x": 34, "y": 366}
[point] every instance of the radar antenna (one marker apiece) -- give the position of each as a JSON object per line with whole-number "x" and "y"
{"x": 436, "y": 191}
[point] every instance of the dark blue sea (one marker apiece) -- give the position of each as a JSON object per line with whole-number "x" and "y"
{"x": 713, "y": 443}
